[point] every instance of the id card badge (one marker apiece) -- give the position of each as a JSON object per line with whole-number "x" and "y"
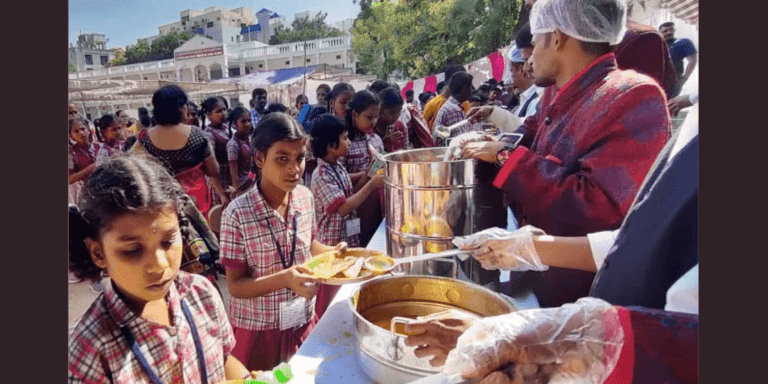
{"x": 293, "y": 313}
{"x": 353, "y": 227}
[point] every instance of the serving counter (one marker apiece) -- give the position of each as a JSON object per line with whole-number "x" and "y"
{"x": 329, "y": 354}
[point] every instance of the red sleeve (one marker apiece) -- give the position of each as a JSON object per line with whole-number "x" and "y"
{"x": 596, "y": 191}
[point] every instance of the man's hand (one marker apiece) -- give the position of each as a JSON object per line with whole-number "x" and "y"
{"x": 678, "y": 103}
{"x": 478, "y": 114}
{"x": 484, "y": 151}
{"x": 436, "y": 338}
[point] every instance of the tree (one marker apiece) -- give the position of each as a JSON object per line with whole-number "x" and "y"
{"x": 161, "y": 49}
{"x": 137, "y": 53}
{"x": 420, "y": 37}
{"x": 72, "y": 68}
{"x": 304, "y": 28}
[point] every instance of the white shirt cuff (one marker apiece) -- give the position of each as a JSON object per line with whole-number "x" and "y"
{"x": 504, "y": 120}
{"x": 693, "y": 97}
{"x": 683, "y": 295}
{"x": 601, "y": 243}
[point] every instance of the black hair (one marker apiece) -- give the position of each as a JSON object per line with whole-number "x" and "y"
{"x": 338, "y": 89}
{"x": 598, "y": 49}
{"x": 458, "y": 81}
{"x": 666, "y": 24}
{"x": 440, "y": 87}
{"x": 409, "y": 93}
{"x": 377, "y": 86}
{"x": 324, "y": 86}
{"x": 144, "y": 117}
{"x": 327, "y": 129}
{"x": 390, "y": 98}
{"x": 105, "y": 122}
{"x": 78, "y": 119}
{"x": 276, "y": 107}
{"x": 479, "y": 96}
{"x": 167, "y": 102}
{"x": 524, "y": 37}
{"x": 258, "y": 91}
{"x": 314, "y": 112}
{"x": 361, "y": 101}
{"x": 300, "y": 97}
{"x": 123, "y": 184}
{"x": 450, "y": 70}
{"x": 118, "y": 112}
{"x": 485, "y": 88}
{"x": 129, "y": 142}
{"x": 274, "y": 127}
{"x": 236, "y": 113}
{"x": 209, "y": 104}
{"x": 497, "y": 89}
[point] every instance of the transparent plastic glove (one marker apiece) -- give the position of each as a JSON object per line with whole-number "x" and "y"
{"x": 502, "y": 249}
{"x": 458, "y": 142}
{"x": 575, "y": 343}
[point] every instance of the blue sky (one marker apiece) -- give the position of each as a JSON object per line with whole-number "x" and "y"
{"x": 126, "y": 20}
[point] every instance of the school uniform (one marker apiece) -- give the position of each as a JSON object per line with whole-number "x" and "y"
{"x": 331, "y": 187}
{"x": 100, "y": 346}
{"x": 240, "y": 151}
{"x": 105, "y": 152}
{"x": 254, "y": 238}
{"x": 358, "y": 159}
{"x": 79, "y": 157}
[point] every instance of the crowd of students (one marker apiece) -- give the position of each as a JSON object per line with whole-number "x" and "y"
{"x": 276, "y": 185}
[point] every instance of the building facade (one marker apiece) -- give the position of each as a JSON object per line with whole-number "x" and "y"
{"x": 90, "y": 53}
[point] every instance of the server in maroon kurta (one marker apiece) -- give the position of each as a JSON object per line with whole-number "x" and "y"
{"x": 584, "y": 153}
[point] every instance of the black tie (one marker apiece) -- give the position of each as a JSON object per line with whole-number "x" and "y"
{"x": 524, "y": 109}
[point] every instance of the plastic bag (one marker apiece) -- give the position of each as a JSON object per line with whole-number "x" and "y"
{"x": 575, "y": 343}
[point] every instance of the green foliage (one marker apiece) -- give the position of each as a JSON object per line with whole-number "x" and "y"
{"x": 72, "y": 68}
{"x": 116, "y": 62}
{"x": 161, "y": 49}
{"x": 421, "y": 37}
{"x": 304, "y": 29}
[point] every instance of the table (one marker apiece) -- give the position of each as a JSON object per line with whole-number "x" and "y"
{"x": 330, "y": 353}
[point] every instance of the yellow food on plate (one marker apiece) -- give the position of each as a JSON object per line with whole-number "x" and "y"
{"x": 334, "y": 265}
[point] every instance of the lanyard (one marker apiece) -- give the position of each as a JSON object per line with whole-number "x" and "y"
{"x": 280, "y": 248}
{"x": 340, "y": 182}
{"x": 143, "y": 360}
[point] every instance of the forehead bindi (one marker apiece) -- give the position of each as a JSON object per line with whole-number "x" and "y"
{"x": 137, "y": 226}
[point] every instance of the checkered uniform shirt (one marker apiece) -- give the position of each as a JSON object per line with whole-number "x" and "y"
{"x": 241, "y": 152}
{"x": 247, "y": 244}
{"x": 105, "y": 152}
{"x": 332, "y": 186}
{"x": 358, "y": 159}
{"x": 98, "y": 352}
{"x": 451, "y": 113}
{"x": 255, "y": 117}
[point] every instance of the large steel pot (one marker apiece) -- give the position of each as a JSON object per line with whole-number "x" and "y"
{"x": 382, "y": 353}
{"x": 429, "y": 201}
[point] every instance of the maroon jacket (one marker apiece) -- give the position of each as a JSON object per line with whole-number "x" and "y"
{"x": 584, "y": 155}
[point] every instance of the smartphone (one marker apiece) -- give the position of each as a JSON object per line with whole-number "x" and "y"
{"x": 511, "y": 138}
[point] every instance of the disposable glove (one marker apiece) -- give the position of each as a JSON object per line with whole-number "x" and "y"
{"x": 502, "y": 249}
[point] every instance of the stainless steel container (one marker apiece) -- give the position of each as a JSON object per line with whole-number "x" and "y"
{"x": 382, "y": 354}
{"x": 429, "y": 201}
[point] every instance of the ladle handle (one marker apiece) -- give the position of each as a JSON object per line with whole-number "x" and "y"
{"x": 430, "y": 256}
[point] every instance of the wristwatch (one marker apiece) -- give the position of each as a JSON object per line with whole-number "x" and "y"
{"x": 503, "y": 154}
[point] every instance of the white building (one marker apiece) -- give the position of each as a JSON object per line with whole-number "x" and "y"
{"x": 90, "y": 53}
{"x": 216, "y": 23}
{"x": 201, "y": 58}
{"x": 345, "y": 25}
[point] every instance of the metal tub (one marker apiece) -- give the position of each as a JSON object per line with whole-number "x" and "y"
{"x": 429, "y": 201}
{"x": 382, "y": 354}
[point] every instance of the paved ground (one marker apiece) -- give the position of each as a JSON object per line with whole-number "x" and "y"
{"x": 81, "y": 297}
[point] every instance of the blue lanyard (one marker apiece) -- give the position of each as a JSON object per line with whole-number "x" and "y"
{"x": 280, "y": 247}
{"x": 143, "y": 360}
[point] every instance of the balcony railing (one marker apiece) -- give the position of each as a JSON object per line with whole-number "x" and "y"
{"x": 313, "y": 46}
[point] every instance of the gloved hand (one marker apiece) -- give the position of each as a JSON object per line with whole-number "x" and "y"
{"x": 577, "y": 342}
{"x": 458, "y": 142}
{"x": 502, "y": 249}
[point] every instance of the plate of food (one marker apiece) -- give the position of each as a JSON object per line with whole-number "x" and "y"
{"x": 336, "y": 268}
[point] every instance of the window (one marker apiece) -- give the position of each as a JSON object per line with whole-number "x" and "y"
{"x": 89, "y": 59}
{"x": 242, "y": 25}
{"x": 287, "y": 63}
{"x": 338, "y": 57}
{"x": 233, "y": 38}
{"x": 261, "y": 65}
{"x": 104, "y": 60}
{"x": 308, "y": 60}
{"x": 210, "y": 24}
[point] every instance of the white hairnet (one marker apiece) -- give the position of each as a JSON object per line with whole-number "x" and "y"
{"x": 594, "y": 21}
